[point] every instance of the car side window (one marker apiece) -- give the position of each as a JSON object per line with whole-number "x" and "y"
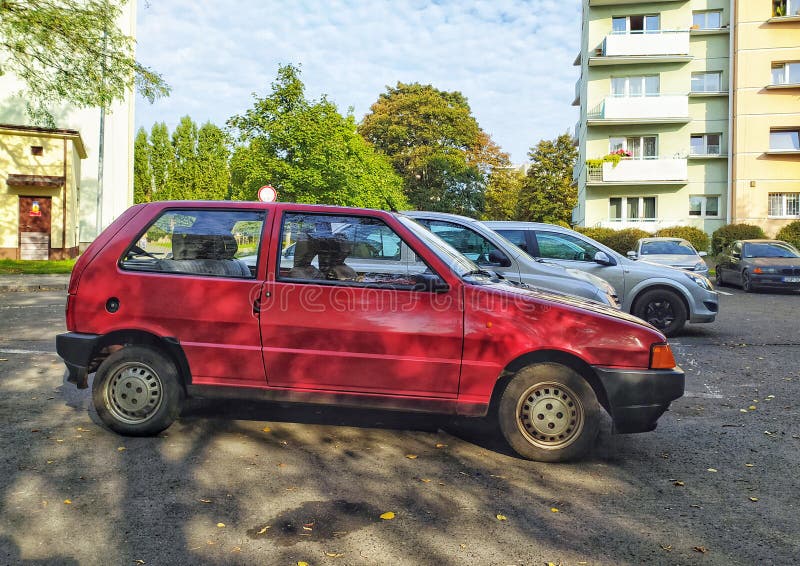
{"x": 516, "y": 237}
{"x": 217, "y": 243}
{"x": 346, "y": 250}
{"x": 468, "y": 242}
{"x": 553, "y": 245}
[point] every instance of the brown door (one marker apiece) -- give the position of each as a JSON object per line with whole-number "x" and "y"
{"x": 34, "y": 227}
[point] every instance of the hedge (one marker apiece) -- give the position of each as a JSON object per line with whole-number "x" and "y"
{"x": 727, "y": 234}
{"x": 621, "y": 241}
{"x": 694, "y": 236}
{"x": 790, "y": 233}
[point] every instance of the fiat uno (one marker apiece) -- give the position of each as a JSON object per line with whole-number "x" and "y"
{"x": 178, "y": 299}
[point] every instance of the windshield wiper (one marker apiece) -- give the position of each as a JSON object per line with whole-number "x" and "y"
{"x": 478, "y": 272}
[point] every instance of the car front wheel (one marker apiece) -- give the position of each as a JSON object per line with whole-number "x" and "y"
{"x": 718, "y": 277}
{"x": 662, "y": 308}
{"x": 747, "y": 282}
{"x": 136, "y": 391}
{"x": 549, "y": 413}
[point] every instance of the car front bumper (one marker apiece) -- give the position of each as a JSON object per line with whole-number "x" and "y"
{"x": 637, "y": 398}
{"x": 705, "y": 307}
{"x": 772, "y": 281}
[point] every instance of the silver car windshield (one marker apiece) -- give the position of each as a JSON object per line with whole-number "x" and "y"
{"x": 444, "y": 251}
{"x": 667, "y": 247}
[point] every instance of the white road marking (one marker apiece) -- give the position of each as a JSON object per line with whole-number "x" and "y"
{"x": 702, "y": 395}
{"x": 14, "y": 351}
{"x": 724, "y": 293}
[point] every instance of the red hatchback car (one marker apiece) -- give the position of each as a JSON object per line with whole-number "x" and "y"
{"x": 321, "y": 304}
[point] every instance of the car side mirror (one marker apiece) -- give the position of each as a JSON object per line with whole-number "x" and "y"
{"x": 498, "y": 258}
{"x": 737, "y": 255}
{"x": 702, "y": 254}
{"x": 632, "y": 255}
{"x": 430, "y": 283}
{"x": 603, "y": 259}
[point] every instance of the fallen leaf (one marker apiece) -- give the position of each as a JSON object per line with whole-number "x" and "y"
{"x": 236, "y": 549}
{"x": 752, "y": 407}
{"x": 440, "y": 445}
{"x": 749, "y": 465}
{"x": 425, "y": 480}
{"x": 679, "y": 483}
{"x": 59, "y": 440}
{"x": 754, "y": 499}
{"x": 301, "y": 563}
{"x": 221, "y": 525}
{"x": 140, "y": 561}
{"x": 553, "y": 510}
{"x": 69, "y": 502}
{"x": 711, "y": 470}
{"x": 334, "y": 554}
{"x": 389, "y": 515}
{"x": 121, "y": 449}
{"x": 204, "y": 500}
{"x": 264, "y": 530}
{"x": 266, "y": 429}
{"x": 695, "y": 506}
{"x": 700, "y": 549}
{"x": 667, "y": 547}
{"x": 501, "y": 517}
{"x": 742, "y": 410}
{"x": 411, "y": 456}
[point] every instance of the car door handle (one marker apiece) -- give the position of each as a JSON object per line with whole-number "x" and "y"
{"x": 257, "y": 302}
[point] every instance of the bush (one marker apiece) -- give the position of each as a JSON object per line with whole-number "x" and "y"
{"x": 694, "y": 236}
{"x": 621, "y": 241}
{"x": 727, "y": 234}
{"x": 790, "y": 233}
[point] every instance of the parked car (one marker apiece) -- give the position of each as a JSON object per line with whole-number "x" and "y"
{"x": 663, "y": 296}
{"x": 756, "y": 264}
{"x": 674, "y": 252}
{"x": 160, "y": 306}
{"x": 491, "y": 251}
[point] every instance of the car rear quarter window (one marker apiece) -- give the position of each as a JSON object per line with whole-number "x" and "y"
{"x": 207, "y": 242}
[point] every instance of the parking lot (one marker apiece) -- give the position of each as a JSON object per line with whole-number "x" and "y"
{"x": 246, "y": 482}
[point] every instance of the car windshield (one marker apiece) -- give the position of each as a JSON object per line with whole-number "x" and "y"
{"x": 444, "y": 251}
{"x": 667, "y": 247}
{"x": 770, "y": 249}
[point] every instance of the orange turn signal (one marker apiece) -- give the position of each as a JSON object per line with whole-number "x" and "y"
{"x": 661, "y": 357}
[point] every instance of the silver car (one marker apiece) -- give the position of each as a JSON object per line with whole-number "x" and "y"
{"x": 493, "y": 252}
{"x": 674, "y": 252}
{"x": 663, "y": 296}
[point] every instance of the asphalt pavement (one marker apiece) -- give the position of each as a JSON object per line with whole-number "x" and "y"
{"x": 265, "y": 483}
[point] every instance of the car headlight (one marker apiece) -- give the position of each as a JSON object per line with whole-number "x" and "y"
{"x": 701, "y": 267}
{"x": 765, "y": 270}
{"x": 700, "y": 280}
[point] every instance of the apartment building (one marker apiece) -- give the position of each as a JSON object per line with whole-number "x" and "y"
{"x": 654, "y": 114}
{"x": 766, "y": 113}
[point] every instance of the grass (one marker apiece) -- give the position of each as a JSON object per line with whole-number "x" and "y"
{"x": 14, "y": 266}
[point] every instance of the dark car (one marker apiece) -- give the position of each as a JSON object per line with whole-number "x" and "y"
{"x": 755, "y": 264}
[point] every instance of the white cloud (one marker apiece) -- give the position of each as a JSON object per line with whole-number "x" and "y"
{"x": 511, "y": 58}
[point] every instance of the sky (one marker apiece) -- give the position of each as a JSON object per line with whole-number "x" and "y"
{"x": 512, "y": 59}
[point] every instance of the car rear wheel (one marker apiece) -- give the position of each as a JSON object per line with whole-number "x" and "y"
{"x": 662, "y": 308}
{"x": 718, "y": 277}
{"x": 136, "y": 391}
{"x": 747, "y": 282}
{"x": 549, "y": 413}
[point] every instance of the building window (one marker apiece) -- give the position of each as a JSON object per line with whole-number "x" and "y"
{"x": 784, "y": 205}
{"x": 641, "y": 209}
{"x": 636, "y": 24}
{"x": 704, "y": 206}
{"x": 636, "y": 147}
{"x": 784, "y": 140}
{"x": 786, "y": 73}
{"x": 649, "y": 85}
{"x": 707, "y": 82}
{"x": 782, "y": 8}
{"x": 705, "y": 144}
{"x": 37, "y": 150}
{"x": 707, "y": 20}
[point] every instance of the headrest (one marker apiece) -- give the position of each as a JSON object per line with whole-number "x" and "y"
{"x": 304, "y": 251}
{"x": 203, "y": 246}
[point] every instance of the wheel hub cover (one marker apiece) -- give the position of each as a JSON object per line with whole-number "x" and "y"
{"x": 550, "y": 414}
{"x": 134, "y": 392}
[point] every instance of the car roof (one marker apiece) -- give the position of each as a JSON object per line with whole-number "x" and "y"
{"x": 662, "y": 239}
{"x": 439, "y": 215}
{"x": 763, "y": 241}
{"x": 239, "y": 204}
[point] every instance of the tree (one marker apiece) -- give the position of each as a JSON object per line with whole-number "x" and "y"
{"x": 71, "y": 52}
{"x": 161, "y": 156}
{"x": 142, "y": 175}
{"x": 182, "y": 168}
{"x": 308, "y": 151}
{"x": 548, "y": 193}
{"x": 503, "y": 193}
{"x": 212, "y": 174}
{"x": 435, "y": 145}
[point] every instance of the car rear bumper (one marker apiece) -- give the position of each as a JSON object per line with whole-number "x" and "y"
{"x": 76, "y": 349}
{"x": 637, "y": 398}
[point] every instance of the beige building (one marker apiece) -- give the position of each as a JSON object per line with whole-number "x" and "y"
{"x": 766, "y": 113}
{"x": 40, "y": 170}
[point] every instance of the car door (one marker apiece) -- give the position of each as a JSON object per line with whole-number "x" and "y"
{"x": 577, "y": 253}
{"x": 363, "y": 324}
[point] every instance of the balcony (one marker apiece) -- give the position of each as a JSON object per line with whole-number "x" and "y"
{"x": 618, "y": 110}
{"x": 594, "y": 3}
{"x": 577, "y": 100}
{"x": 638, "y": 171}
{"x": 632, "y": 48}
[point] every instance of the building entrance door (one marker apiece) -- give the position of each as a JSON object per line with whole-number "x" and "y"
{"x": 34, "y": 227}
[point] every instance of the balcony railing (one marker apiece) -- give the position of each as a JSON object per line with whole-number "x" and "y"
{"x": 631, "y": 171}
{"x": 643, "y": 44}
{"x": 658, "y": 108}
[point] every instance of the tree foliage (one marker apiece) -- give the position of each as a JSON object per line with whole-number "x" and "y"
{"x": 192, "y": 164}
{"x": 548, "y": 193}
{"x": 308, "y": 151}
{"x": 71, "y": 52}
{"x": 435, "y": 145}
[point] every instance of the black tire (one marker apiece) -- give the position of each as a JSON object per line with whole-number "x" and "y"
{"x": 718, "y": 277}
{"x": 136, "y": 391}
{"x": 747, "y": 282}
{"x": 549, "y": 413}
{"x": 662, "y": 308}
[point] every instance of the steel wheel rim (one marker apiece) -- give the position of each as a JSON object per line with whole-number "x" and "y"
{"x": 659, "y": 313}
{"x": 550, "y": 415}
{"x": 134, "y": 393}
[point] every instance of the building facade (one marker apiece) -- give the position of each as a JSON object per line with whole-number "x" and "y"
{"x": 654, "y": 114}
{"x": 39, "y": 199}
{"x": 106, "y": 181}
{"x": 766, "y": 113}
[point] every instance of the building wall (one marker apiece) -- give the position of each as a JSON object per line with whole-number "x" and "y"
{"x": 756, "y": 173}
{"x": 117, "y": 191}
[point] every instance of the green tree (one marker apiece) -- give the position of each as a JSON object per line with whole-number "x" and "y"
{"x": 71, "y": 52}
{"x": 308, "y": 151}
{"x": 212, "y": 173}
{"x": 142, "y": 175}
{"x": 548, "y": 193}
{"x": 182, "y": 168}
{"x": 435, "y": 145}
{"x": 161, "y": 156}
{"x": 502, "y": 193}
